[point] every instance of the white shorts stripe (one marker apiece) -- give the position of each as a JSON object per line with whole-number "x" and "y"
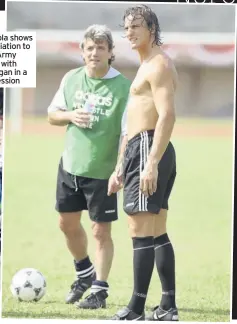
{"x": 140, "y": 194}
{"x": 144, "y": 151}
{"x": 146, "y": 157}
{"x": 143, "y": 165}
{"x": 143, "y": 162}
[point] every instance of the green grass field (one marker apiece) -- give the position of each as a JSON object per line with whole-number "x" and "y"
{"x": 200, "y": 227}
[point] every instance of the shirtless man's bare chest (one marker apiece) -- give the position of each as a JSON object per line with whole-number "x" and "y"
{"x": 142, "y": 110}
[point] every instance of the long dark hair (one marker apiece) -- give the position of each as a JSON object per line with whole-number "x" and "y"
{"x": 143, "y": 11}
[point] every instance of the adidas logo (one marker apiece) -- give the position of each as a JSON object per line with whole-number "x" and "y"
{"x": 140, "y": 295}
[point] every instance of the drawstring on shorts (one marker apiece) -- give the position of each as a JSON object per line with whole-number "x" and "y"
{"x": 75, "y": 181}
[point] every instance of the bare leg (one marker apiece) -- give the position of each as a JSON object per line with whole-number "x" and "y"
{"x": 75, "y": 234}
{"x": 104, "y": 250}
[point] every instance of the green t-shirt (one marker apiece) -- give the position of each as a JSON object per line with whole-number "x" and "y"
{"x": 92, "y": 152}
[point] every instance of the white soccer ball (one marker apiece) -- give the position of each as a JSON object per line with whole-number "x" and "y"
{"x": 28, "y": 285}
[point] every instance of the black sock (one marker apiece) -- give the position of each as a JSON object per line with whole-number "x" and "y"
{"x": 99, "y": 285}
{"x": 165, "y": 263}
{"x": 84, "y": 268}
{"x": 143, "y": 263}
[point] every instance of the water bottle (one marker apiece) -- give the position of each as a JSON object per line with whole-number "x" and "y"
{"x": 88, "y": 107}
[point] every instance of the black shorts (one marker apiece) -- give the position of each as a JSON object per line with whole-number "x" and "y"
{"x": 75, "y": 193}
{"x": 134, "y": 160}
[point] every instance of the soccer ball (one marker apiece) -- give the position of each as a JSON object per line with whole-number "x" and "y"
{"x": 28, "y": 285}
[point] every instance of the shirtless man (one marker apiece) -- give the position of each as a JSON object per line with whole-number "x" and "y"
{"x": 149, "y": 167}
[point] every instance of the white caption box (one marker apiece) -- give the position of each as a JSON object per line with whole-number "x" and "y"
{"x": 18, "y": 59}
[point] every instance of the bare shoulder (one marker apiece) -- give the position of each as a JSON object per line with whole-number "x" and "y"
{"x": 162, "y": 70}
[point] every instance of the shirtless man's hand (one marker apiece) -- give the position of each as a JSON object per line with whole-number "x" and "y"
{"x": 115, "y": 180}
{"x": 148, "y": 179}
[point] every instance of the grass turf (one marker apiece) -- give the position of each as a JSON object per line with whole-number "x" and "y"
{"x": 199, "y": 226}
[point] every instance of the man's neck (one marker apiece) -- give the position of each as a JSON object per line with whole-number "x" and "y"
{"x": 147, "y": 52}
{"x": 97, "y": 74}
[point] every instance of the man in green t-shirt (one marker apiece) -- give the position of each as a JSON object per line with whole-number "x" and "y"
{"x": 91, "y": 101}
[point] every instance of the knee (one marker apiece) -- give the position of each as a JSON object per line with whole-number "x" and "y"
{"x": 158, "y": 231}
{"x": 133, "y": 229}
{"x": 141, "y": 225}
{"x": 136, "y": 230}
{"x": 67, "y": 227}
{"x": 101, "y": 232}
{"x": 160, "y": 223}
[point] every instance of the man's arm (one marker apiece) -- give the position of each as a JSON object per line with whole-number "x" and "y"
{"x": 115, "y": 181}
{"x": 59, "y": 115}
{"x": 163, "y": 91}
{"x": 57, "y": 110}
{"x": 162, "y": 87}
{"x": 123, "y": 142}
